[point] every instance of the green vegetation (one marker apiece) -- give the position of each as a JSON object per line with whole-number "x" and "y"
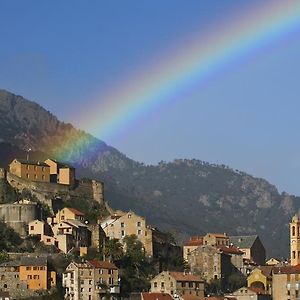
{"x": 7, "y": 193}
{"x": 9, "y": 239}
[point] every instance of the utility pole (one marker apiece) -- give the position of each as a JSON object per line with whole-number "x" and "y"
{"x": 28, "y": 150}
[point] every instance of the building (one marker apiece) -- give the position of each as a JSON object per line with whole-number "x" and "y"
{"x": 61, "y": 173}
{"x": 295, "y": 241}
{"x": 68, "y": 213}
{"x": 210, "y": 263}
{"x": 253, "y": 249}
{"x": 245, "y": 293}
{"x": 261, "y": 277}
{"x": 91, "y": 280}
{"x": 273, "y": 262}
{"x": 216, "y": 239}
{"x": 178, "y": 284}
{"x": 192, "y": 244}
{"x": 30, "y": 170}
{"x": 43, "y": 231}
{"x": 122, "y": 224}
{"x": 24, "y": 277}
{"x": 286, "y": 283}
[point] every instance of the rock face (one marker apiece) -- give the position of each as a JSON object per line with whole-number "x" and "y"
{"x": 184, "y": 196}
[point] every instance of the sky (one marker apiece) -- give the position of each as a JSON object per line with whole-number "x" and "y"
{"x": 70, "y": 56}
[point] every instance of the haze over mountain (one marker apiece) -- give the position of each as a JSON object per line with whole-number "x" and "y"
{"x": 186, "y": 197}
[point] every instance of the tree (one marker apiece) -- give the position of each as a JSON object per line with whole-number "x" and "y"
{"x": 113, "y": 250}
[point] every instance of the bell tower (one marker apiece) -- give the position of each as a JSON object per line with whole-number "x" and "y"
{"x": 295, "y": 240}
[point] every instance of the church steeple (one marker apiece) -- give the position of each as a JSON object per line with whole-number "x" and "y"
{"x": 295, "y": 240}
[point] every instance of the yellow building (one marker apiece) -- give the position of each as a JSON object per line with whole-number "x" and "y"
{"x": 34, "y": 270}
{"x": 30, "y": 170}
{"x": 122, "y": 224}
{"x": 61, "y": 173}
{"x": 295, "y": 241}
{"x": 261, "y": 278}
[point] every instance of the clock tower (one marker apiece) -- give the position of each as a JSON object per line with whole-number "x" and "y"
{"x": 295, "y": 240}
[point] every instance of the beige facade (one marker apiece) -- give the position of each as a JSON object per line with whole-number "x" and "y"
{"x": 245, "y": 293}
{"x": 178, "y": 284}
{"x": 69, "y": 213}
{"x": 30, "y": 170}
{"x": 124, "y": 224}
{"x": 261, "y": 278}
{"x": 91, "y": 280}
{"x": 61, "y": 173}
{"x": 295, "y": 241}
{"x": 286, "y": 283}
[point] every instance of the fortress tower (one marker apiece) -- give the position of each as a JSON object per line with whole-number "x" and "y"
{"x": 295, "y": 240}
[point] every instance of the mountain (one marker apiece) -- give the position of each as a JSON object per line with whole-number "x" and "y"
{"x": 186, "y": 197}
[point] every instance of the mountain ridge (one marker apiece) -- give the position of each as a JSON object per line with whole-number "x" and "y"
{"x": 186, "y": 196}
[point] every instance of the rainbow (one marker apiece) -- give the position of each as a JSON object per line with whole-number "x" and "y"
{"x": 186, "y": 67}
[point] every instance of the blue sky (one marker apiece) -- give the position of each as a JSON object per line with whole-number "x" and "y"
{"x": 246, "y": 115}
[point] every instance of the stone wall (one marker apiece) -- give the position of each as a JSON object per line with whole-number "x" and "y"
{"x": 17, "y": 216}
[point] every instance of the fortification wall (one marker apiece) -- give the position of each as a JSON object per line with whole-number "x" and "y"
{"x": 17, "y": 216}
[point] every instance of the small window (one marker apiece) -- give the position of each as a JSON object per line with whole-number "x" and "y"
{"x": 27, "y": 175}
{"x": 43, "y": 177}
{"x": 122, "y": 224}
{"x": 139, "y": 232}
{"x": 129, "y": 216}
{"x": 31, "y": 227}
{"x": 138, "y": 224}
{"x": 155, "y": 284}
{"x": 162, "y": 285}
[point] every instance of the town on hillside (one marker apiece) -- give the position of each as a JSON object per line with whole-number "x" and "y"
{"x": 60, "y": 239}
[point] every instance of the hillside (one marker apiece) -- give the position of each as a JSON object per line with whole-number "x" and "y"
{"x": 184, "y": 196}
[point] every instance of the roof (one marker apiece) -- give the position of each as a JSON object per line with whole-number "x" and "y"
{"x": 258, "y": 291}
{"x": 60, "y": 164}
{"x": 31, "y": 162}
{"x": 217, "y": 235}
{"x": 100, "y": 264}
{"x": 266, "y": 270}
{"x": 181, "y": 276}
{"x": 156, "y": 296}
{"x": 219, "y": 298}
{"x": 75, "y": 211}
{"x": 287, "y": 270}
{"x": 195, "y": 241}
{"x": 231, "y": 250}
{"x": 190, "y": 297}
{"x": 33, "y": 261}
{"x": 12, "y": 263}
{"x": 243, "y": 241}
{"x": 74, "y": 223}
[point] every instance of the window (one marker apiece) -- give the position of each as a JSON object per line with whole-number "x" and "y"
{"x": 27, "y": 175}
{"x": 35, "y": 176}
{"x": 294, "y": 254}
{"x": 139, "y": 232}
{"x": 28, "y": 268}
{"x": 29, "y": 277}
{"x": 5, "y": 286}
{"x": 293, "y": 230}
{"x": 129, "y": 216}
{"x": 48, "y": 240}
{"x": 191, "y": 284}
{"x": 34, "y": 268}
{"x": 2, "y": 277}
{"x": 162, "y": 285}
{"x": 155, "y": 284}
{"x": 123, "y": 233}
{"x": 43, "y": 177}
{"x": 183, "y": 284}
{"x": 122, "y": 224}
{"x": 35, "y": 168}
{"x": 138, "y": 224}
{"x": 110, "y": 271}
{"x": 111, "y": 280}
{"x": 31, "y": 227}
{"x": 90, "y": 282}
{"x": 27, "y": 167}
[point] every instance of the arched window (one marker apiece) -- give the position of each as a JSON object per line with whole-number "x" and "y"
{"x": 294, "y": 254}
{"x": 293, "y": 230}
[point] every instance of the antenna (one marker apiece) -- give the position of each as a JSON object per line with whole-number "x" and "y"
{"x": 28, "y": 150}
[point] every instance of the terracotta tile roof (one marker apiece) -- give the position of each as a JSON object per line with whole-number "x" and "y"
{"x": 219, "y": 298}
{"x": 195, "y": 241}
{"x": 190, "y": 297}
{"x": 180, "y": 276}
{"x": 75, "y": 211}
{"x": 100, "y": 264}
{"x": 156, "y": 296}
{"x": 231, "y": 250}
{"x": 266, "y": 270}
{"x": 287, "y": 270}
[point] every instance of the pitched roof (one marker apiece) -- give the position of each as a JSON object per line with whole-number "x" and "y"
{"x": 287, "y": 270}
{"x": 219, "y": 298}
{"x": 33, "y": 261}
{"x": 156, "y": 296}
{"x": 190, "y": 297}
{"x": 75, "y": 211}
{"x": 258, "y": 291}
{"x": 266, "y": 270}
{"x": 32, "y": 162}
{"x": 231, "y": 250}
{"x": 181, "y": 276}
{"x": 243, "y": 241}
{"x": 100, "y": 264}
{"x": 74, "y": 223}
{"x": 195, "y": 241}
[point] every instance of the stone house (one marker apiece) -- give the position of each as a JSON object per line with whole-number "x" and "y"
{"x": 68, "y": 213}
{"x": 210, "y": 263}
{"x": 178, "y": 284}
{"x": 30, "y": 170}
{"x": 192, "y": 244}
{"x": 61, "y": 173}
{"x": 91, "y": 280}
{"x": 122, "y": 224}
{"x": 216, "y": 239}
{"x": 22, "y": 278}
{"x": 251, "y": 245}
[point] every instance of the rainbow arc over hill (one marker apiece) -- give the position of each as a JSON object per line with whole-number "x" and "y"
{"x": 186, "y": 67}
